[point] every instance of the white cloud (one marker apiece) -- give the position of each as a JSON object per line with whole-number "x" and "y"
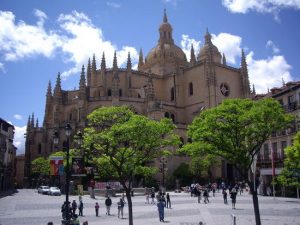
{"x": 186, "y": 45}
{"x": 268, "y": 73}
{"x": 18, "y": 117}
{"x": 173, "y": 2}
{"x": 228, "y": 44}
{"x": 262, "y": 6}
{"x": 20, "y": 40}
{"x": 76, "y": 39}
{"x": 274, "y": 48}
{"x": 19, "y": 140}
{"x": 2, "y": 68}
{"x": 113, "y": 4}
{"x": 80, "y": 31}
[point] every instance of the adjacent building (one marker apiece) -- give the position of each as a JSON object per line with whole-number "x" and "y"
{"x": 289, "y": 97}
{"x": 7, "y": 155}
{"x": 165, "y": 84}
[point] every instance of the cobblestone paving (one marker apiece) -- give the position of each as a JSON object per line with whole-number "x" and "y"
{"x": 27, "y": 207}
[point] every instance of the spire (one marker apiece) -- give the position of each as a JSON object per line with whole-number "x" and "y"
{"x": 57, "y": 89}
{"x": 207, "y": 37}
{"x": 193, "y": 58}
{"x": 129, "y": 65}
{"x": 89, "y": 73}
{"x": 115, "y": 63}
{"x": 49, "y": 89}
{"x": 37, "y": 123}
{"x": 141, "y": 59}
{"x": 82, "y": 79}
{"x": 103, "y": 63}
{"x": 32, "y": 121}
{"x": 165, "y": 20}
{"x": 28, "y": 126}
{"x": 245, "y": 77}
{"x": 253, "y": 89}
{"x": 224, "y": 59}
{"x": 94, "y": 66}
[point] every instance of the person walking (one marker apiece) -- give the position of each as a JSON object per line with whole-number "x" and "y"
{"x": 74, "y": 207}
{"x": 97, "y": 208}
{"x": 224, "y": 196}
{"x": 108, "y": 203}
{"x": 80, "y": 208}
{"x": 205, "y": 195}
{"x": 233, "y": 194}
{"x": 152, "y": 197}
{"x": 120, "y": 208}
{"x": 168, "y": 201}
{"x": 147, "y": 199}
{"x": 161, "y": 208}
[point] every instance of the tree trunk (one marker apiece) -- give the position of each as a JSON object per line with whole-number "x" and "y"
{"x": 129, "y": 202}
{"x": 255, "y": 204}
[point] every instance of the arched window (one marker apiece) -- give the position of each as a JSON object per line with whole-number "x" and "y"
{"x": 173, "y": 117}
{"x": 40, "y": 148}
{"x": 129, "y": 82}
{"x": 172, "y": 94}
{"x": 120, "y": 92}
{"x": 167, "y": 115}
{"x": 109, "y": 92}
{"x": 191, "y": 89}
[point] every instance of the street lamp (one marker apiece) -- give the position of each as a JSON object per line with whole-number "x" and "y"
{"x": 163, "y": 169}
{"x": 68, "y": 130}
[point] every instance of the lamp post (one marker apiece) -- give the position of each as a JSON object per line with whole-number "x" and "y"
{"x": 163, "y": 163}
{"x": 68, "y": 130}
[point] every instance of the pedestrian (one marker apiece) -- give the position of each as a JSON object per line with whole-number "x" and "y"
{"x": 80, "y": 208}
{"x": 205, "y": 195}
{"x": 108, "y": 203}
{"x": 160, "y": 207}
{"x": 97, "y": 208}
{"x": 120, "y": 208}
{"x": 85, "y": 223}
{"x": 74, "y": 207}
{"x": 147, "y": 199}
{"x": 80, "y": 198}
{"x": 168, "y": 201}
{"x": 152, "y": 197}
{"x": 233, "y": 194}
{"x": 50, "y": 223}
{"x": 224, "y": 196}
{"x": 163, "y": 199}
{"x": 199, "y": 194}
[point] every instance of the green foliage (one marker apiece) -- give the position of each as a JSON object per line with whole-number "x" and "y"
{"x": 40, "y": 166}
{"x": 123, "y": 142}
{"x": 290, "y": 175}
{"x": 236, "y": 129}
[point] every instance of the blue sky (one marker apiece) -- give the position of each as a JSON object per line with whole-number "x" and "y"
{"x": 38, "y": 39}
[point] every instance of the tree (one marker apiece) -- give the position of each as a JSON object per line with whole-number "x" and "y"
{"x": 124, "y": 143}
{"x": 291, "y": 171}
{"x": 40, "y": 166}
{"x": 235, "y": 130}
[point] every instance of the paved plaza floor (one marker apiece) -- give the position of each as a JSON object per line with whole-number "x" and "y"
{"x": 27, "y": 207}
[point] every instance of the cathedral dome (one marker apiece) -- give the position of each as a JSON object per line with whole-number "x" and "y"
{"x": 165, "y": 52}
{"x": 209, "y": 48}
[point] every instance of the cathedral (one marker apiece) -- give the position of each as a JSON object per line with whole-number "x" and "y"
{"x": 165, "y": 84}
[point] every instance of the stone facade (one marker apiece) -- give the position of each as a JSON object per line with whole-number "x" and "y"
{"x": 7, "y": 155}
{"x": 164, "y": 85}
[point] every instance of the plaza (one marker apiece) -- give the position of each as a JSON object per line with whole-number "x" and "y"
{"x": 27, "y": 207}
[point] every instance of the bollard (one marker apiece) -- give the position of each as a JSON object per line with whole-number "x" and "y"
{"x": 233, "y": 217}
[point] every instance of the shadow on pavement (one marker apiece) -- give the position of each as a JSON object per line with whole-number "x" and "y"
{"x": 8, "y": 193}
